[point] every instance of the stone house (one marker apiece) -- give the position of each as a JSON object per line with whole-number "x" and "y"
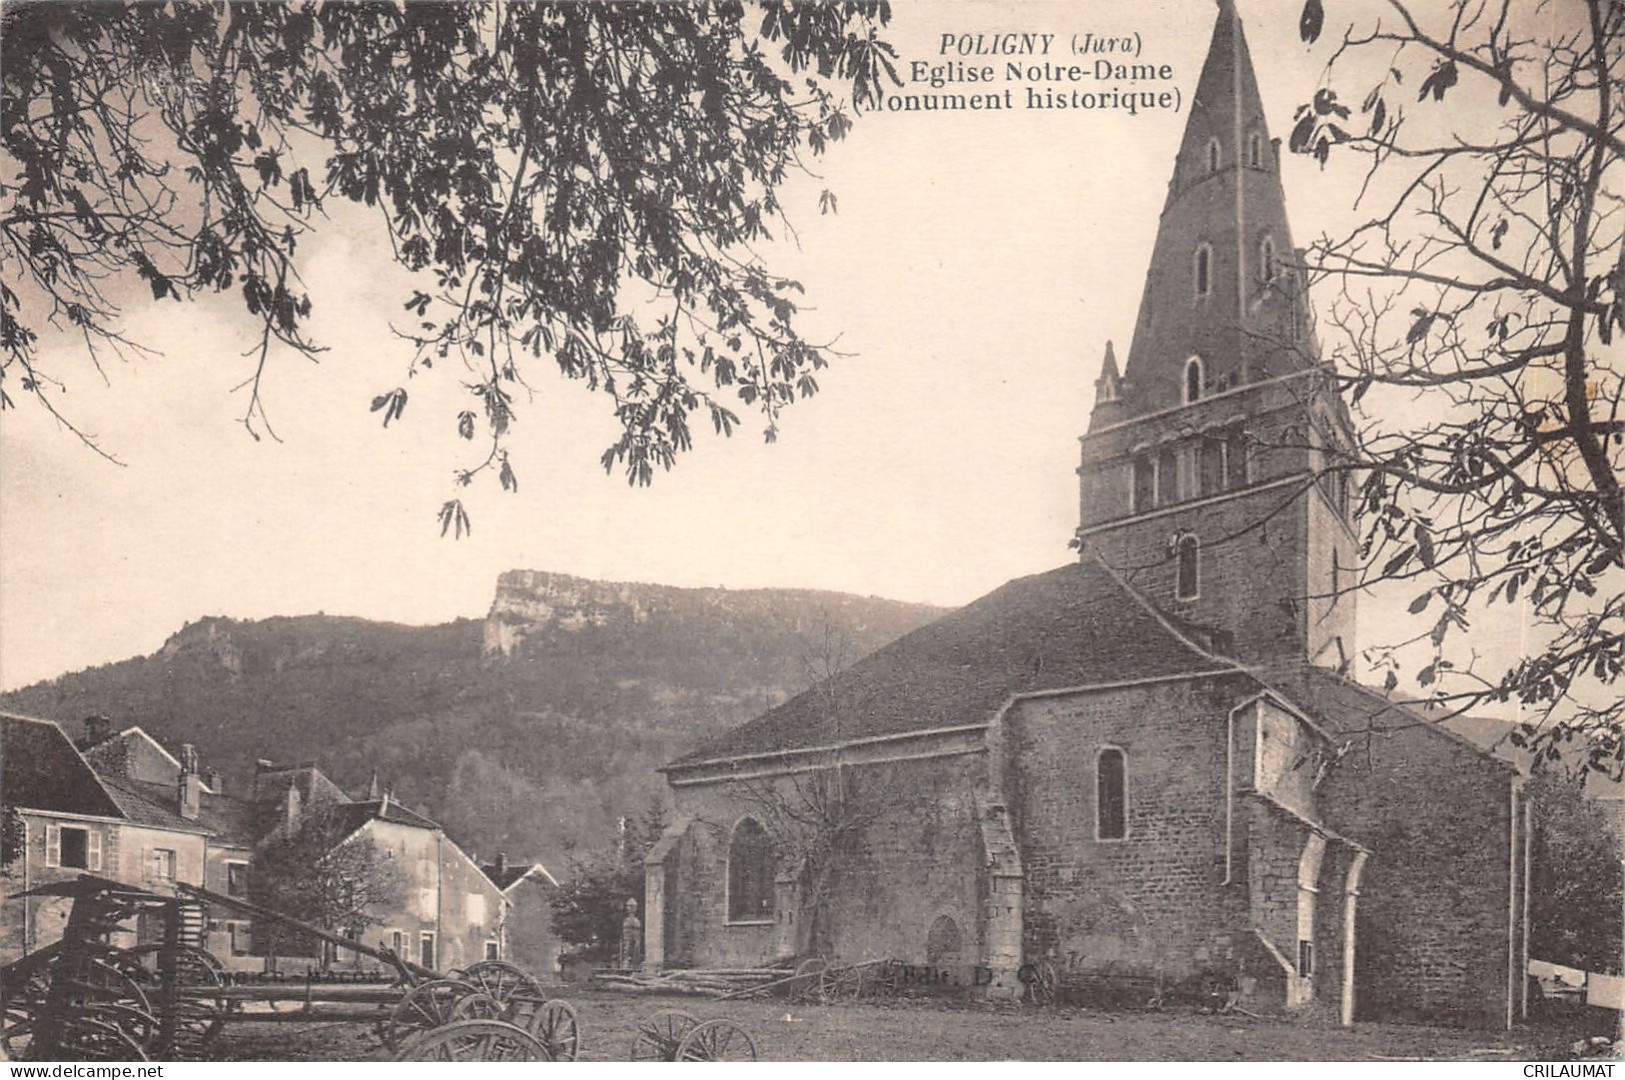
{"x": 528, "y": 936}
{"x": 1149, "y": 769}
{"x": 121, "y": 805}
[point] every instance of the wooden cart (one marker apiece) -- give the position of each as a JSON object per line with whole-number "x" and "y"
{"x": 86, "y": 999}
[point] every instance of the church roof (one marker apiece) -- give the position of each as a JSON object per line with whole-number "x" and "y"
{"x": 1072, "y": 626}
{"x": 1346, "y": 707}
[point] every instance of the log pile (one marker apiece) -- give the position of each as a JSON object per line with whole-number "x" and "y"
{"x": 703, "y": 982}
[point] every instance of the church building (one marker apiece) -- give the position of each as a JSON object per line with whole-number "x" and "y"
{"x": 1149, "y": 769}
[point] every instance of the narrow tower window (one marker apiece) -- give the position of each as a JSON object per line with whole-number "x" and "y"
{"x": 1193, "y": 379}
{"x": 1235, "y": 459}
{"x": 1255, "y": 150}
{"x": 1213, "y": 157}
{"x": 1186, "y": 586}
{"x": 1167, "y": 477}
{"x": 1204, "y": 282}
{"x": 1145, "y": 484}
{"x": 1111, "y": 794}
{"x": 1266, "y": 259}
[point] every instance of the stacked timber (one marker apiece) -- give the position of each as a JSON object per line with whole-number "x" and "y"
{"x": 704, "y": 982}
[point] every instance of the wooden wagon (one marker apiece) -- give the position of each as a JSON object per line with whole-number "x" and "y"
{"x": 84, "y": 998}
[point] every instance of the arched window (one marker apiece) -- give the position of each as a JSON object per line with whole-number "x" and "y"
{"x": 1212, "y": 156}
{"x": 1266, "y": 259}
{"x": 1193, "y": 379}
{"x": 1204, "y": 274}
{"x": 1111, "y": 794}
{"x": 750, "y": 873}
{"x": 1188, "y": 584}
{"x": 1255, "y": 150}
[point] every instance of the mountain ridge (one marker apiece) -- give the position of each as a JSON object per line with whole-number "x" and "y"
{"x": 530, "y": 729}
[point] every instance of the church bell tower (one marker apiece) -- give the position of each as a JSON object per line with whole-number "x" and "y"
{"x": 1208, "y": 476}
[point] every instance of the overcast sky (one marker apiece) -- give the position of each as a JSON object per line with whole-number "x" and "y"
{"x": 976, "y": 268}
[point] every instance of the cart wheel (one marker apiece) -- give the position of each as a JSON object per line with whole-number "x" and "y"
{"x": 85, "y": 1038}
{"x": 427, "y": 1005}
{"x": 201, "y": 1014}
{"x": 555, "y": 1025}
{"x": 660, "y": 1035}
{"x": 717, "y": 1040}
{"x": 502, "y": 980}
{"x": 476, "y": 1006}
{"x": 474, "y": 1040}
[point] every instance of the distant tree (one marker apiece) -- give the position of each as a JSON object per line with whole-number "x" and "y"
{"x": 581, "y": 182}
{"x": 13, "y": 834}
{"x": 321, "y": 875}
{"x": 1575, "y": 871}
{"x": 1480, "y": 296}
{"x": 591, "y": 902}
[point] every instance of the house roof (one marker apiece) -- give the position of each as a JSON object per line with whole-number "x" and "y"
{"x": 41, "y": 770}
{"x": 153, "y": 805}
{"x": 507, "y": 876}
{"x": 352, "y": 816}
{"x": 1075, "y": 625}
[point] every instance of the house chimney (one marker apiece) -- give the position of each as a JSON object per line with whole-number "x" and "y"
{"x": 383, "y": 808}
{"x": 291, "y": 806}
{"x": 215, "y": 781}
{"x": 97, "y": 729}
{"x": 191, "y": 784}
{"x": 502, "y": 861}
{"x": 372, "y": 788}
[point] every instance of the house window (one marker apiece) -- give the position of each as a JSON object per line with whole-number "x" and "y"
{"x": 1167, "y": 476}
{"x": 241, "y": 943}
{"x": 236, "y": 879}
{"x": 1193, "y": 379}
{"x": 491, "y": 951}
{"x": 1266, "y": 260}
{"x": 750, "y": 873}
{"x": 1306, "y": 958}
{"x": 1189, "y": 552}
{"x": 1111, "y": 794}
{"x": 426, "y": 949}
{"x": 397, "y": 942}
{"x": 1204, "y": 282}
{"x": 1145, "y": 483}
{"x": 1212, "y": 156}
{"x": 73, "y": 848}
{"x": 1255, "y": 150}
{"x": 161, "y": 864}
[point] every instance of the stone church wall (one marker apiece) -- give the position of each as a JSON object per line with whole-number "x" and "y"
{"x": 917, "y": 857}
{"x": 1433, "y": 909}
{"x": 1153, "y": 902}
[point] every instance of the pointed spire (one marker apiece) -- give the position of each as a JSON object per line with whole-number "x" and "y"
{"x": 372, "y": 788}
{"x": 1109, "y": 378}
{"x": 1212, "y": 289}
{"x": 1108, "y": 391}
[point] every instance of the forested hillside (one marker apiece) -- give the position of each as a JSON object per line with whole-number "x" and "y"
{"x": 526, "y": 732}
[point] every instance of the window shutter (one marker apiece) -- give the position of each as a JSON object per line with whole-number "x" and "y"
{"x": 94, "y": 849}
{"x": 53, "y": 845}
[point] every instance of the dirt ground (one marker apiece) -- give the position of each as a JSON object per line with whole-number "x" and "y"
{"x": 935, "y": 1031}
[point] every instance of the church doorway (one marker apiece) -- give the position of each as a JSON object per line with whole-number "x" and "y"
{"x": 944, "y": 947}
